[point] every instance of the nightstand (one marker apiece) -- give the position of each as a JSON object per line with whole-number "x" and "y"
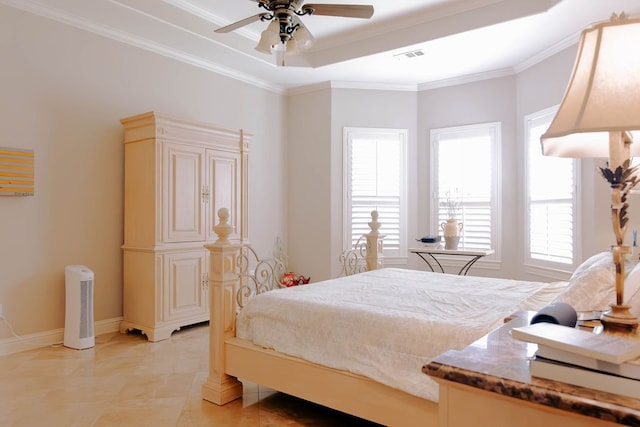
{"x": 488, "y": 383}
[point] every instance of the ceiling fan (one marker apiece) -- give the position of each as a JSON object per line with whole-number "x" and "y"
{"x": 286, "y": 33}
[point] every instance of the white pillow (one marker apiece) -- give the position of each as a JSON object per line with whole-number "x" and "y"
{"x": 592, "y": 285}
{"x": 600, "y": 260}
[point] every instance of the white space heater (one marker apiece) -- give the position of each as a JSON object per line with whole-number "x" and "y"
{"x": 78, "y": 323}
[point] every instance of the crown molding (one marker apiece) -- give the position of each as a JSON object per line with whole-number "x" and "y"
{"x": 558, "y": 47}
{"x": 471, "y": 78}
{"x": 132, "y": 40}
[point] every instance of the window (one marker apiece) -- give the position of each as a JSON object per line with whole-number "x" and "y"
{"x": 375, "y": 178}
{"x": 551, "y": 201}
{"x": 465, "y": 168}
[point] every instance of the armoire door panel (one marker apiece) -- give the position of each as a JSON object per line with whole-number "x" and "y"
{"x": 224, "y": 179}
{"x": 184, "y": 207}
{"x": 185, "y": 290}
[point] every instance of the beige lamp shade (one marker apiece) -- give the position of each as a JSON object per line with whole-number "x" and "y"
{"x": 603, "y": 94}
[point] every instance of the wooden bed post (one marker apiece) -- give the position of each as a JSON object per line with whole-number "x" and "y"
{"x": 219, "y": 387}
{"x": 374, "y": 244}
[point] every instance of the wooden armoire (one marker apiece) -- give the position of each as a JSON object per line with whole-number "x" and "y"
{"x": 177, "y": 174}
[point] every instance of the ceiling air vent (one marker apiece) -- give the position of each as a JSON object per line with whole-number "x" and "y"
{"x": 412, "y": 54}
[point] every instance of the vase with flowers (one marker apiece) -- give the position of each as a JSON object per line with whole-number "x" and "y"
{"x": 451, "y": 228}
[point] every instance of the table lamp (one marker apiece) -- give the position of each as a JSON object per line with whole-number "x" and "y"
{"x": 598, "y": 116}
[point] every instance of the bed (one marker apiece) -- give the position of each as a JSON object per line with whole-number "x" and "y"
{"x": 365, "y": 357}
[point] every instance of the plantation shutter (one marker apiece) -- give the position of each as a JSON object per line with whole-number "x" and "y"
{"x": 551, "y": 199}
{"x": 464, "y": 162}
{"x": 375, "y": 181}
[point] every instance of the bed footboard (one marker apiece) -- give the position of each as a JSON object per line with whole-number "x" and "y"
{"x": 228, "y": 288}
{"x": 337, "y": 389}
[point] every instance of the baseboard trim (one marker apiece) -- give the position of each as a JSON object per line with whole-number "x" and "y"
{"x": 52, "y": 337}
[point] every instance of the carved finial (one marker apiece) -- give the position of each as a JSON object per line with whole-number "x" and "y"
{"x": 223, "y": 229}
{"x": 374, "y": 225}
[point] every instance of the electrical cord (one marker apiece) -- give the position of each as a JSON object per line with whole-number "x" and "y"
{"x": 25, "y": 340}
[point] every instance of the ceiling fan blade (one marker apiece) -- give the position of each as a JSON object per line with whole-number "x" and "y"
{"x": 346, "y": 10}
{"x": 241, "y": 23}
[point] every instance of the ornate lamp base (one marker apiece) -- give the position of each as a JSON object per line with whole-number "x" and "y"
{"x": 619, "y": 320}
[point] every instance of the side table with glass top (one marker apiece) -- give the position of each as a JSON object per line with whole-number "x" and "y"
{"x": 429, "y": 255}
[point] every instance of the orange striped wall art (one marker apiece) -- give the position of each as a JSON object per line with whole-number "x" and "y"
{"x": 17, "y": 171}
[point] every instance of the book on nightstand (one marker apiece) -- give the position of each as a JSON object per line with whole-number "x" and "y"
{"x": 605, "y": 347}
{"x": 629, "y": 369}
{"x": 583, "y": 377}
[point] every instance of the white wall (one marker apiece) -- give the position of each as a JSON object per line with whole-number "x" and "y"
{"x": 317, "y": 119}
{"x": 316, "y": 195}
{"x": 309, "y": 178}
{"x": 63, "y": 94}
{"x": 480, "y": 102}
{"x": 370, "y": 109}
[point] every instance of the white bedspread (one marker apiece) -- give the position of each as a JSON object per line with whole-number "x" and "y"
{"x": 386, "y": 324}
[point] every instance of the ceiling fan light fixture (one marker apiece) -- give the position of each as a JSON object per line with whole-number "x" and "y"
{"x": 269, "y": 37}
{"x": 304, "y": 38}
{"x": 264, "y": 46}
{"x": 285, "y": 32}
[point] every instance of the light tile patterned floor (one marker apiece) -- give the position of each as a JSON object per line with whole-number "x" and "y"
{"x": 127, "y": 381}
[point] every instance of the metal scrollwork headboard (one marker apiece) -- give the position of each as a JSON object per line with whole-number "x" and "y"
{"x": 257, "y": 275}
{"x": 354, "y": 260}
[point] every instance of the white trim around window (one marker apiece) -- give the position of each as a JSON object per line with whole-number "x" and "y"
{"x": 465, "y": 166}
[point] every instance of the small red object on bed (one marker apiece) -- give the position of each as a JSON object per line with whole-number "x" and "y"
{"x": 303, "y": 280}
{"x": 289, "y": 279}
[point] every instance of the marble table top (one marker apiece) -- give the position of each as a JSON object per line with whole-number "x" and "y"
{"x": 499, "y": 363}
